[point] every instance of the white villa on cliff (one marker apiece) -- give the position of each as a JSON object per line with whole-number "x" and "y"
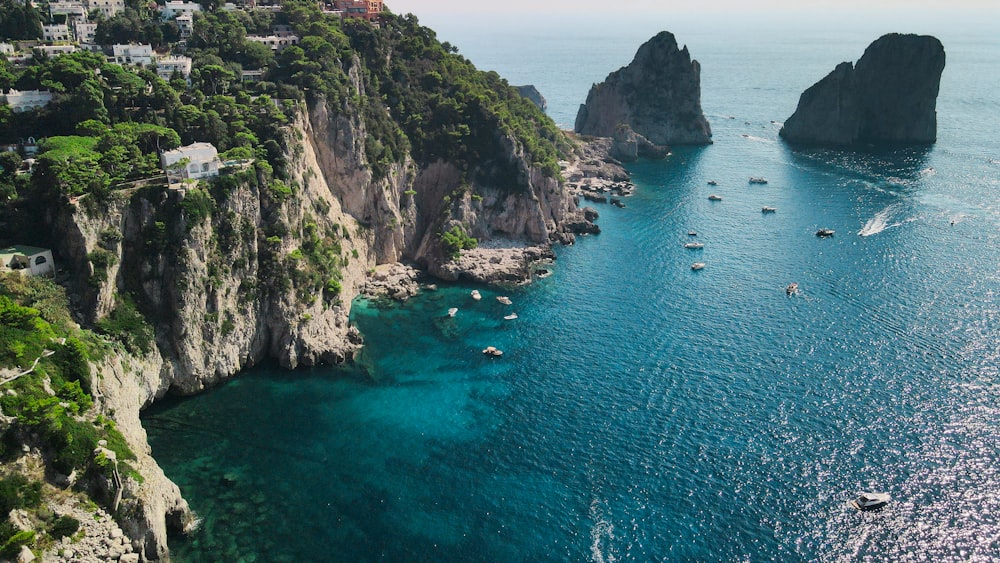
{"x": 196, "y": 161}
{"x": 30, "y": 260}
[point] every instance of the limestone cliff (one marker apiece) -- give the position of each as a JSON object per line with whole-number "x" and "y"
{"x": 658, "y": 95}
{"x": 889, "y": 97}
{"x": 226, "y": 275}
{"x": 534, "y": 95}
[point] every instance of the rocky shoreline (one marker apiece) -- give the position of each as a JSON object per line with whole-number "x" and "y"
{"x": 594, "y": 176}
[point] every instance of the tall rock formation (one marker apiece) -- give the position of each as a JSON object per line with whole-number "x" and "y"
{"x": 889, "y": 97}
{"x": 658, "y": 95}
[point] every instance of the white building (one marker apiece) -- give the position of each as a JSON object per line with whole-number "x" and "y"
{"x": 6, "y": 49}
{"x": 107, "y": 7}
{"x": 84, "y": 31}
{"x": 185, "y": 22}
{"x": 132, "y": 54}
{"x": 167, "y": 66}
{"x": 174, "y": 8}
{"x": 53, "y": 51}
{"x": 30, "y": 260}
{"x": 56, "y": 33}
{"x": 71, "y": 9}
{"x": 277, "y": 43}
{"x": 27, "y": 100}
{"x": 201, "y": 160}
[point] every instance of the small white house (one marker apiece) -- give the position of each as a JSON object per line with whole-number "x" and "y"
{"x": 167, "y": 66}
{"x": 85, "y": 32}
{"x": 174, "y": 8}
{"x": 133, "y": 54}
{"x": 30, "y": 260}
{"x": 71, "y": 9}
{"x": 276, "y": 43}
{"x": 27, "y": 100}
{"x": 108, "y": 8}
{"x": 185, "y": 23}
{"x": 56, "y": 33}
{"x": 196, "y": 161}
{"x": 53, "y": 51}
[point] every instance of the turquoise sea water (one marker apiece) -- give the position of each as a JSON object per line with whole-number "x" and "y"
{"x": 643, "y": 411}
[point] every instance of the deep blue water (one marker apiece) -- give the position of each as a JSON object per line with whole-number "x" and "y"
{"x": 643, "y": 411}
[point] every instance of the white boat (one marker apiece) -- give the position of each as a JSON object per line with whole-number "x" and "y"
{"x": 792, "y": 289}
{"x": 511, "y": 317}
{"x": 697, "y": 266}
{"x": 475, "y": 295}
{"x": 452, "y": 311}
{"x": 692, "y": 233}
{"x": 714, "y": 197}
{"x": 824, "y": 233}
{"x": 504, "y": 299}
{"x": 870, "y": 501}
{"x": 757, "y": 180}
{"x": 694, "y": 245}
{"x": 493, "y": 351}
{"x": 767, "y": 209}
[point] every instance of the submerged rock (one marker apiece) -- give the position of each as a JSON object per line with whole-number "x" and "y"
{"x": 658, "y": 96}
{"x": 889, "y": 97}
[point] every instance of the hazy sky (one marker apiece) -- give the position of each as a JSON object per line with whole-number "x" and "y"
{"x": 419, "y": 7}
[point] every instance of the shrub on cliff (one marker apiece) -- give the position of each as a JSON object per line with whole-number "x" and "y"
{"x": 455, "y": 240}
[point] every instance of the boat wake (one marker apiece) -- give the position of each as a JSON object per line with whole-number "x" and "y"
{"x": 602, "y": 534}
{"x": 881, "y": 221}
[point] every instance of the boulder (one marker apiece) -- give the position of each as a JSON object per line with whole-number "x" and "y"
{"x": 888, "y": 98}
{"x": 534, "y": 95}
{"x": 658, "y": 95}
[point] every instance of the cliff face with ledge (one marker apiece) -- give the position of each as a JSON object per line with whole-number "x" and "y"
{"x": 658, "y": 95}
{"x": 888, "y": 97}
{"x": 225, "y": 291}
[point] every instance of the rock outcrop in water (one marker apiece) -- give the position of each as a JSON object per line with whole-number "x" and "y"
{"x": 889, "y": 97}
{"x": 658, "y": 96}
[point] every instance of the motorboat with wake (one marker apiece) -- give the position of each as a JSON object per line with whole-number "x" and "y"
{"x": 792, "y": 289}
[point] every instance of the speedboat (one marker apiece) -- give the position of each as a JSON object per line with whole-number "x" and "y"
{"x": 757, "y": 180}
{"x": 767, "y": 209}
{"x": 692, "y": 233}
{"x": 713, "y": 183}
{"x": 504, "y": 299}
{"x": 697, "y": 266}
{"x": 694, "y": 245}
{"x": 792, "y": 289}
{"x": 824, "y": 233}
{"x": 475, "y": 295}
{"x": 493, "y": 351}
{"x": 714, "y": 197}
{"x": 510, "y": 317}
{"x": 452, "y": 311}
{"x": 870, "y": 501}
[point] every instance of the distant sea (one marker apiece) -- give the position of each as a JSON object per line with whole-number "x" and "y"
{"x": 643, "y": 411}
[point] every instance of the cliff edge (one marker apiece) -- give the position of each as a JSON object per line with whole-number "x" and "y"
{"x": 658, "y": 95}
{"x": 888, "y": 97}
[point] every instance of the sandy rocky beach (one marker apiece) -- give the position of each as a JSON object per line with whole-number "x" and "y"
{"x": 593, "y": 177}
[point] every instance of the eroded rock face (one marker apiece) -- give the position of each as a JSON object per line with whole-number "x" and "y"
{"x": 534, "y": 95}
{"x": 658, "y": 95}
{"x": 889, "y": 97}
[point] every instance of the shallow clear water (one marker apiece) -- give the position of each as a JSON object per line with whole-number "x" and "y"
{"x": 643, "y": 411}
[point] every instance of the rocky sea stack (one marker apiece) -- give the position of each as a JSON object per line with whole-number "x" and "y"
{"x": 889, "y": 97}
{"x": 658, "y": 95}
